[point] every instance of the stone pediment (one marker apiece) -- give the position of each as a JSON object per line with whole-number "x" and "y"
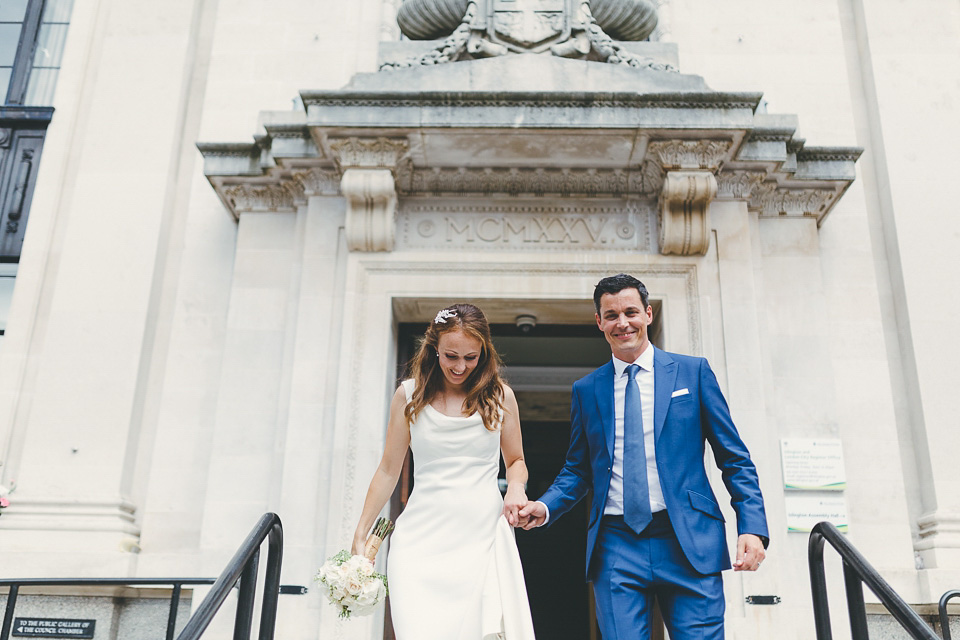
{"x": 532, "y": 125}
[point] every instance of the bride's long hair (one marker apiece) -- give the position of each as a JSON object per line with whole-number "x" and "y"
{"x": 484, "y": 386}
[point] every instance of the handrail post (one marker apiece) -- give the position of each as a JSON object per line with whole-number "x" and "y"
{"x": 818, "y": 587}
{"x": 172, "y": 616}
{"x": 245, "y": 602}
{"x": 944, "y": 618}
{"x": 271, "y": 584}
{"x": 8, "y": 612}
{"x": 855, "y": 605}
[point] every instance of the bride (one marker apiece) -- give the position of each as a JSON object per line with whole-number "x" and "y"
{"x": 453, "y": 566}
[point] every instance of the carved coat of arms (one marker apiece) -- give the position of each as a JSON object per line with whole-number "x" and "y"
{"x": 529, "y": 25}
{"x": 499, "y": 27}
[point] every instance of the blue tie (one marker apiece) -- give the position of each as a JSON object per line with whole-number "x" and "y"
{"x": 636, "y": 492}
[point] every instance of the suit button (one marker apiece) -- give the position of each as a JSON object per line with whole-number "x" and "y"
{"x": 608, "y": 468}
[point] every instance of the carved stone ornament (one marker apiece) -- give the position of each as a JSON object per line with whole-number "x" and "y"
{"x": 319, "y": 182}
{"x": 371, "y": 209}
{"x": 383, "y": 153}
{"x": 738, "y": 185}
{"x": 690, "y": 154}
{"x": 528, "y": 24}
{"x": 517, "y": 181}
{"x": 567, "y": 28}
{"x": 250, "y": 197}
{"x": 684, "y": 205}
{"x": 771, "y": 200}
{"x": 433, "y": 19}
{"x": 430, "y": 19}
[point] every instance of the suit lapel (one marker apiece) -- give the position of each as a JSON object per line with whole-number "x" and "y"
{"x": 664, "y": 379}
{"x": 603, "y": 388}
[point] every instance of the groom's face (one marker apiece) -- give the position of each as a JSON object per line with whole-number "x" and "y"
{"x": 624, "y": 319}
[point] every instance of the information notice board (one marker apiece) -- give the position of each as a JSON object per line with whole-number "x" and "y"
{"x": 812, "y": 465}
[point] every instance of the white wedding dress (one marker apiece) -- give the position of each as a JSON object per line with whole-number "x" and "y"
{"x": 453, "y": 566}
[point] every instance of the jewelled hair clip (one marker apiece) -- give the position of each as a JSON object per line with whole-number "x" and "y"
{"x": 443, "y": 315}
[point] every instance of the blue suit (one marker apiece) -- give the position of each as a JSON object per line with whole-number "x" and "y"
{"x": 682, "y": 424}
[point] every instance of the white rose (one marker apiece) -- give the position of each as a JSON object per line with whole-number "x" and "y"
{"x": 371, "y": 593}
{"x": 327, "y": 573}
{"x": 3, "y": 490}
{"x": 353, "y": 586}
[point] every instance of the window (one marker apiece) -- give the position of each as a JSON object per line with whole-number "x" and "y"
{"x": 32, "y": 38}
{"x": 32, "y": 35}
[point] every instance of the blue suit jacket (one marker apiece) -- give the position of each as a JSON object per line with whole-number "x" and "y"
{"x": 681, "y": 426}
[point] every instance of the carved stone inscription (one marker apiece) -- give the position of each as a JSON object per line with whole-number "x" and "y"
{"x": 534, "y": 227}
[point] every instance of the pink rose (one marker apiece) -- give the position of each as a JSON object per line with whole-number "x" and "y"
{"x": 4, "y": 503}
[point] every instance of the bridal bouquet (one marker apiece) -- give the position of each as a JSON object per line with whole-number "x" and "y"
{"x": 350, "y": 582}
{"x": 4, "y": 492}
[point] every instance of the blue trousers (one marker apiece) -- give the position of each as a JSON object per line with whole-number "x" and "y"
{"x": 629, "y": 570}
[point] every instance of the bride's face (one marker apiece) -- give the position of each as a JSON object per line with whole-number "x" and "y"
{"x": 458, "y": 355}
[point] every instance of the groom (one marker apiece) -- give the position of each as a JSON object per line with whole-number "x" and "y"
{"x": 638, "y": 428}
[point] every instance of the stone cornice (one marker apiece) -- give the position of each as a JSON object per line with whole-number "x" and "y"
{"x": 617, "y": 100}
{"x": 771, "y": 200}
{"x": 829, "y": 154}
{"x": 278, "y": 190}
{"x": 452, "y": 135}
{"x": 229, "y": 149}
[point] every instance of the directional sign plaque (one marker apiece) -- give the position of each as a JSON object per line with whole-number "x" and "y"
{"x": 53, "y": 628}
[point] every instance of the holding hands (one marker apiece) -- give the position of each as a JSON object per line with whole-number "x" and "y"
{"x": 513, "y": 502}
{"x": 532, "y": 515}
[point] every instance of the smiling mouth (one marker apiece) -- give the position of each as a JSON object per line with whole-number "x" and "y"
{"x": 625, "y": 335}
{"x": 458, "y": 373}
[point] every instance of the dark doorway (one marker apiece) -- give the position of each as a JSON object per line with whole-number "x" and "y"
{"x": 541, "y": 364}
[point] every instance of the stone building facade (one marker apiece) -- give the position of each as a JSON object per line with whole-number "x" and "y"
{"x": 246, "y": 210}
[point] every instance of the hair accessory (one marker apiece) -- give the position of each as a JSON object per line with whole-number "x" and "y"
{"x": 443, "y": 315}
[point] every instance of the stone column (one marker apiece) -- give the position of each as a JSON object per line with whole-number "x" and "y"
{"x": 76, "y": 358}
{"x": 307, "y": 455}
{"x": 250, "y": 422}
{"x": 921, "y": 252}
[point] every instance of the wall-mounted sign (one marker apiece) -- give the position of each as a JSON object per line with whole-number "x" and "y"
{"x": 53, "y": 628}
{"x": 804, "y": 510}
{"x": 813, "y": 465}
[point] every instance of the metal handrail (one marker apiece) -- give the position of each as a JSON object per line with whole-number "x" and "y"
{"x": 856, "y": 572}
{"x": 243, "y": 568}
{"x": 177, "y": 584}
{"x": 944, "y": 619}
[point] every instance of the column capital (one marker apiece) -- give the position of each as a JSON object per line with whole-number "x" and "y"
{"x": 369, "y": 153}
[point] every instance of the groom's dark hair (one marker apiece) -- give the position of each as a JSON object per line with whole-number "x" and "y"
{"x": 616, "y": 284}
